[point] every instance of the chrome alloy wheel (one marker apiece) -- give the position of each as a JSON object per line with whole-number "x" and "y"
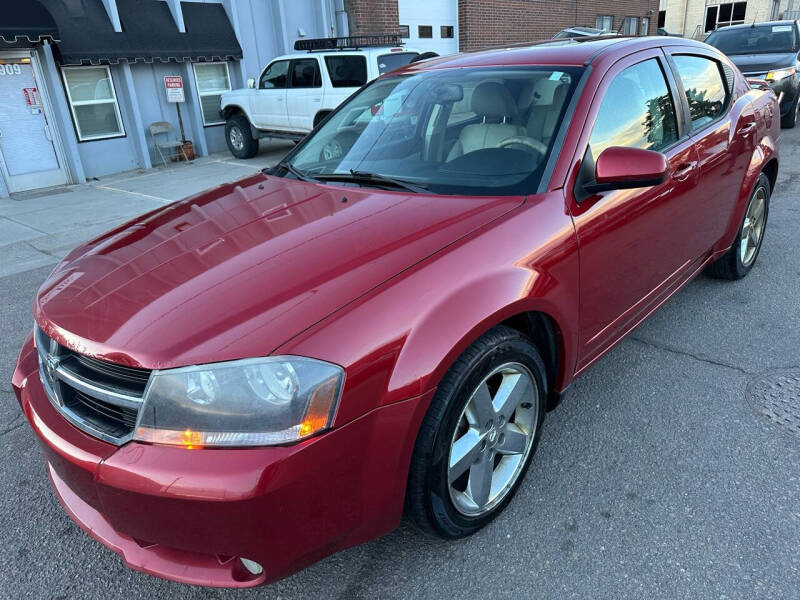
{"x": 493, "y": 439}
{"x": 236, "y": 137}
{"x": 753, "y": 228}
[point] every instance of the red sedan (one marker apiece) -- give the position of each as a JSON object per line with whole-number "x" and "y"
{"x": 239, "y": 384}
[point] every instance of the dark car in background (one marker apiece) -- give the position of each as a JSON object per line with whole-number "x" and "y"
{"x": 768, "y": 51}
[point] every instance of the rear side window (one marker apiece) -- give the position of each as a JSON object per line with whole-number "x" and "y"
{"x": 305, "y": 73}
{"x": 390, "y": 62}
{"x": 347, "y": 71}
{"x": 704, "y": 86}
{"x": 636, "y": 111}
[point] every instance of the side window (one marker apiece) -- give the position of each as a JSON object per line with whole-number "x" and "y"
{"x": 349, "y": 70}
{"x": 305, "y": 73}
{"x": 636, "y": 111}
{"x": 275, "y": 76}
{"x": 705, "y": 89}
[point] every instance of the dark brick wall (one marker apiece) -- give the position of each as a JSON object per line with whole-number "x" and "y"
{"x": 488, "y": 23}
{"x": 372, "y": 17}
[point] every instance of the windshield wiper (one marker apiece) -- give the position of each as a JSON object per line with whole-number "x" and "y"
{"x": 296, "y": 172}
{"x": 367, "y": 177}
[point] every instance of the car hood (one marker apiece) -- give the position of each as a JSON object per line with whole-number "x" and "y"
{"x": 762, "y": 63}
{"x": 240, "y": 269}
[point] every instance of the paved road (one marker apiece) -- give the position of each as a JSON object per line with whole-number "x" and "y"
{"x": 656, "y": 478}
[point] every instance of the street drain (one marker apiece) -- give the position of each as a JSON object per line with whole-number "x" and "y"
{"x": 776, "y": 395}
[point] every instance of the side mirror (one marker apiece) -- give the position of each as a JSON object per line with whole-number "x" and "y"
{"x": 251, "y": 83}
{"x": 619, "y": 168}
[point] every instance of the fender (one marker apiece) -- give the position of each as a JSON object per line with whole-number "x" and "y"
{"x": 423, "y": 318}
{"x": 763, "y": 153}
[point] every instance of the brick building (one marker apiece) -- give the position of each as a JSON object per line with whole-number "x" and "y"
{"x": 485, "y": 23}
{"x": 451, "y": 25}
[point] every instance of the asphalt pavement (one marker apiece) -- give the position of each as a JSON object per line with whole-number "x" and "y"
{"x": 661, "y": 475}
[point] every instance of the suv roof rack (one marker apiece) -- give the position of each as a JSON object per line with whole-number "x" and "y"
{"x": 353, "y": 42}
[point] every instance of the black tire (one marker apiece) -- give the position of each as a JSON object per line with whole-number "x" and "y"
{"x": 320, "y": 116}
{"x": 789, "y": 120}
{"x": 428, "y": 499}
{"x": 730, "y": 266}
{"x": 238, "y": 125}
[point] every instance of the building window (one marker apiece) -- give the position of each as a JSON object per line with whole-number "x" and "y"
{"x": 405, "y": 32}
{"x": 662, "y": 18}
{"x": 645, "y": 25}
{"x": 604, "y": 22}
{"x": 93, "y": 103}
{"x": 630, "y": 26}
{"x": 724, "y": 14}
{"x": 212, "y": 80}
{"x": 446, "y": 31}
{"x": 425, "y": 31}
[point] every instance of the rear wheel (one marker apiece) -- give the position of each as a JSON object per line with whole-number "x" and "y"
{"x": 740, "y": 258}
{"x": 239, "y": 137}
{"x": 478, "y": 436}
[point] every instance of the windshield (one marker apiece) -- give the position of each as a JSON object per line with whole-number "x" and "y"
{"x": 761, "y": 39}
{"x": 390, "y": 62}
{"x": 481, "y": 131}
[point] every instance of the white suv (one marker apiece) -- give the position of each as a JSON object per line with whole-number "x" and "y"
{"x": 296, "y": 91}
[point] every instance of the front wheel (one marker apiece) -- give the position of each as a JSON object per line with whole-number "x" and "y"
{"x": 239, "y": 137}
{"x": 789, "y": 120}
{"x": 740, "y": 258}
{"x": 478, "y": 436}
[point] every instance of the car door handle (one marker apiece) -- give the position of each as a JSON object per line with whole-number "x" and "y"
{"x": 684, "y": 171}
{"x": 746, "y": 129}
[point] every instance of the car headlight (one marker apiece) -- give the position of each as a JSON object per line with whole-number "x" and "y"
{"x": 250, "y": 402}
{"x": 781, "y": 74}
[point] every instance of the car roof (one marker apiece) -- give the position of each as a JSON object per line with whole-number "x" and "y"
{"x": 565, "y": 52}
{"x": 583, "y": 29}
{"x": 759, "y": 24}
{"x": 367, "y": 51}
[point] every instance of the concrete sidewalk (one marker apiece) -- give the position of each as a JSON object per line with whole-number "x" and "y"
{"x": 38, "y": 228}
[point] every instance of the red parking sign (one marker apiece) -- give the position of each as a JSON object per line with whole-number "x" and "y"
{"x": 174, "y": 86}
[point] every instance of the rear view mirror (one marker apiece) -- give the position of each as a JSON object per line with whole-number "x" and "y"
{"x": 251, "y": 83}
{"x": 619, "y": 168}
{"x": 446, "y": 93}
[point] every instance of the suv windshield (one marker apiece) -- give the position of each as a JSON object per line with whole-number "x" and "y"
{"x": 761, "y": 39}
{"x": 481, "y": 131}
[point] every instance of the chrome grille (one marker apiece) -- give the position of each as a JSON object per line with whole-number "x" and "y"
{"x": 98, "y": 397}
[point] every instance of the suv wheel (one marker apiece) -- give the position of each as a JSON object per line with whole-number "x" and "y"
{"x": 478, "y": 436}
{"x": 239, "y": 137}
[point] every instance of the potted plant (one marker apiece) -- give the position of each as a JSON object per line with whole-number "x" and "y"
{"x": 187, "y": 146}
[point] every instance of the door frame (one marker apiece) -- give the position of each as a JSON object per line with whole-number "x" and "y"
{"x": 47, "y": 107}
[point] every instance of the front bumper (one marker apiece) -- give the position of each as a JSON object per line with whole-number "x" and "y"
{"x": 787, "y": 90}
{"x": 189, "y": 515}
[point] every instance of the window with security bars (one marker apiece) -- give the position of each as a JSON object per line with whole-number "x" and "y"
{"x": 604, "y": 22}
{"x": 630, "y": 26}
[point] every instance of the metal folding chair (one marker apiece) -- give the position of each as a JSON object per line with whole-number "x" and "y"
{"x": 173, "y": 148}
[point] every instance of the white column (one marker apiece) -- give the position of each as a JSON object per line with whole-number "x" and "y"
{"x": 113, "y": 14}
{"x": 177, "y": 14}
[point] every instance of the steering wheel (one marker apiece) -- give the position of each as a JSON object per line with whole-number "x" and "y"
{"x": 531, "y": 143}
